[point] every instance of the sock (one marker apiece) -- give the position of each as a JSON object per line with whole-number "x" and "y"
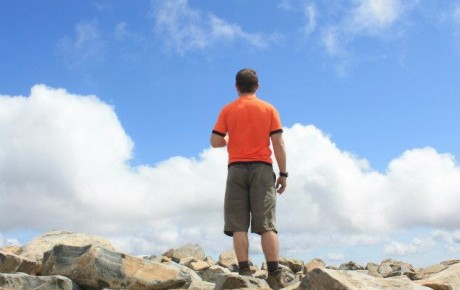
{"x": 272, "y": 265}
{"x": 244, "y": 264}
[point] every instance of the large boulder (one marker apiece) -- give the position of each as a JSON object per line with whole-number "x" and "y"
{"x": 327, "y": 279}
{"x": 24, "y": 281}
{"x": 38, "y": 246}
{"x": 11, "y": 263}
{"x": 429, "y": 271}
{"x": 96, "y": 268}
{"x": 449, "y": 277}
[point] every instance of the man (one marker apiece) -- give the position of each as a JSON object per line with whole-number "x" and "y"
{"x": 246, "y": 127}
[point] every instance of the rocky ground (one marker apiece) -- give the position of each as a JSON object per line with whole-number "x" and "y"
{"x": 65, "y": 260}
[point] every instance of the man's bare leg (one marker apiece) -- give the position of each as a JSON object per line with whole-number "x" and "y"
{"x": 270, "y": 246}
{"x": 241, "y": 245}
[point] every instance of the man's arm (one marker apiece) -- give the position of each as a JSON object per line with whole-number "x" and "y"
{"x": 280, "y": 155}
{"x": 218, "y": 140}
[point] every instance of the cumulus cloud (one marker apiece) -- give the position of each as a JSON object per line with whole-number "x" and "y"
{"x": 65, "y": 164}
{"x": 185, "y": 28}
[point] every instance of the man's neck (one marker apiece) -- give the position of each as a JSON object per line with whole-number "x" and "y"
{"x": 244, "y": 95}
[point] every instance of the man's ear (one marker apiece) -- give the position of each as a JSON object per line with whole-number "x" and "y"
{"x": 237, "y": 88}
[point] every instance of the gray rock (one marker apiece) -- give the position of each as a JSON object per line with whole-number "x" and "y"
{"x": 95, "y": 268}
{"x": 293, "y": 264}
{"x": 350, "y": 266}
{"x": 213, "y": 273}
{"x": 24, "y": 281}
{"x": 194, "y": 277}
{"x": 235, "y": 281}
{"x": 187, "y": 251}
{"x": 326, "y": 279}
{"x": 429, "y": 271}
{"x": 38, "y": 246}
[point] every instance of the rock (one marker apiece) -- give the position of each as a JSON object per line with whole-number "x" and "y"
{"x": 11, "y": 263}
{"x": 429, "y": 271}
{"x": 15, "y": 249}
{"x": 436, "y": 285}
{"x": 212, "y": 273}
{"x": 372, "y": 270}
{"x": 229, "y": 261}
{"x": 294, "y": 265}
{"x": 24, "y": 281}
{"x": 448, "y": 277}
{"x": 210, "y": 261}
{"x": 392, "y": 268}
{"x": 187, "y": 251}
{"x": 450, "y": 262}
{"x": 194, "y": 277}
{"x": 203, "y": 285}
{"x": 350, "y": 266}
{"x": 198, "y": 265}
{"x": 37, "y": 247}
{"x": 313, "y": 264}
{"x": 94, "y": 268}
{"x": 235, "y": 281}
{"x": 326, "y": 279}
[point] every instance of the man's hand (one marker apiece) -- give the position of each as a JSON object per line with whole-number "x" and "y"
{"x": 281, "y": 184}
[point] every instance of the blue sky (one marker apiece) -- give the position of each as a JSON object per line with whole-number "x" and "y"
{"x": 120, "y": 98}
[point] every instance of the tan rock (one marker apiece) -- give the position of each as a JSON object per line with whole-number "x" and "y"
{"x": 199, "y": 265}
{"x": 95, "y": 268}
{"x": 448, "y": 277}
{"x": 11, "y": 263}
{"x": 436, "y": 285}
{"x": 326, "y": 279}
{"x": 429, "y": 271}
{"x": 313, "y": 264}
{"x": 38, "y": 246}
{"x": 228, "y": 260}
{"x": 15, "y": 249}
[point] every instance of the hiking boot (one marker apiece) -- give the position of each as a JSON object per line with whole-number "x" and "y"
{"x": 245, "y": 272}
{"x": 279, "y": 278}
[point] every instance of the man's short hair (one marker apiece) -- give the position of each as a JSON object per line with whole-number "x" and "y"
{"x": 247, "y": 80}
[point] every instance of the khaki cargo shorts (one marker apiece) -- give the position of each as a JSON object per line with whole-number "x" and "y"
{"x": 250, "y": 198}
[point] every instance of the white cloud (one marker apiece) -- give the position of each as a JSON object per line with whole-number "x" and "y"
{"x": 414, "y": 247}
{"x": 185, "y": 28}
{"x": 84, "y": 48}
{"x": 374, "y": 16}
{"x": 69, "y": 155}
{"x": 336, "y": 256}
{"x": 310, "y": 14}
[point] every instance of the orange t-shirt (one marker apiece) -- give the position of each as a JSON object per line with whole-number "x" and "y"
{"x": 249, "y": 122}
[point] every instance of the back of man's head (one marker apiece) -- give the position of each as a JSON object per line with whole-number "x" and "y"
{"x": 247, "y": 81}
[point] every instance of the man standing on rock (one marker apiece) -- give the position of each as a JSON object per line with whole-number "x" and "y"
{"x": 246, "y": 127}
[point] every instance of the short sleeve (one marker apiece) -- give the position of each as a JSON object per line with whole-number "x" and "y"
{"x": 220, "y": 128}
{"x": 276, "y": 126}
